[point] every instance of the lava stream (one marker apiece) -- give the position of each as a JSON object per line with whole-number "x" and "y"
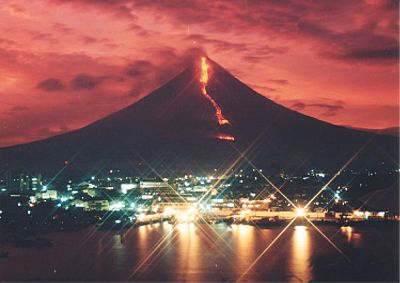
{"x": 204, "y": 79}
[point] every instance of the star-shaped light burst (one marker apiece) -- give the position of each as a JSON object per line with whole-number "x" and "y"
{"x": 301, "y": 211}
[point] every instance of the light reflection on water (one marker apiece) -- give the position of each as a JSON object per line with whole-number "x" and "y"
{"x": 244, "y": 245}
{"x": 352, "y": 237}
{"x": 301, "y": 251}
{"x": 188, "y": 252}
{"x": 188, "y": 249}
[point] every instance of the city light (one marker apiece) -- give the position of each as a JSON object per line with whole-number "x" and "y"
{"x": 117, "y": 205}
{"x": 63, "y": 199}
{"x": 209, "y": 201}
{"x": 299, "y": 212}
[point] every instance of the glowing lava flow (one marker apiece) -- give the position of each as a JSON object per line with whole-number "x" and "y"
{"x": 204, "y": 79}
{"x": 218, "y": 112}
{"x": 225, "y": 137}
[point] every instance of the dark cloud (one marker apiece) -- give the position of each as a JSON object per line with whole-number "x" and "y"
{"x": 298, "y": 106}
{"x": 218, "y": 44}
{"x": 265, "y": 52}
{"x": 263, "y": 88}
{"x": 166, "y": 62}
{"x": 387, "y": 4}
{"x": 50, "y": 84}
{"x": 111, "y": 45}
{"x": 143, "y": 72}
{"x": 282, "y": 18}
{"x": 118, "y": 8}
{"x": 88, "y": 39}
{"x": 314, "y": 21}
{"x": 373, "y": 54}
{"x": 354, "y": 45}
{"x": 256, "y": 59}
{"x": 6, "y": 41}
{"x": 62, "y": 28}
{"x": 279, "y": 81}
{"x": 328, "y": 109}
{"x": 43, "y": 36}
{"x": 85, "y": 82}
{"x": 139, "y": 30}
{"x": 140, "y": 68}
{"x": 253, "y": 54}
{"x": 15, "y": 110}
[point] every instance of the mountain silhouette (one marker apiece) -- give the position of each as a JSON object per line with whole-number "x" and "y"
{"x": 176, "y": 129}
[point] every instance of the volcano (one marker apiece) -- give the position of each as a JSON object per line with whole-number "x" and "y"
{"x": 202, "y": 119}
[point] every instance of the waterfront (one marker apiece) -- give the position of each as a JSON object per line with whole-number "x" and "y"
{"x": 219, "y": 252}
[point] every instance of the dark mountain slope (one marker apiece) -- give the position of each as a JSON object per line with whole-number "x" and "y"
{"x": 175, "y": 128}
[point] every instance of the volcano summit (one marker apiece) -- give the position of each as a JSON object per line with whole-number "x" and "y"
{"x": 202, "y": 119}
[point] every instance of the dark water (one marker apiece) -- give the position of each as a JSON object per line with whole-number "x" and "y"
{"x": 218, "y": 252}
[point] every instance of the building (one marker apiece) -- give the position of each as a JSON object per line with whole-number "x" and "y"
{"x": 128, "y": 187}
{"x": 36, "y": 183}
{"x": 98, "y": 205}
{"x": 49, "y": 194}
{"x": 174, "y": 203}
{"x": 149, "y": 184}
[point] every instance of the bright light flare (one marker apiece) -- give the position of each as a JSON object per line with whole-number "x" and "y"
{"x": 299, "y": 212}
{"x": 187, "y": 216}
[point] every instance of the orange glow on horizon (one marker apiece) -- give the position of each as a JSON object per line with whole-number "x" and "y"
{"x": 204, "y": 79}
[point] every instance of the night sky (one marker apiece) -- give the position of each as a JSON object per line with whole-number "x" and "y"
{"x": 64, "y": 64}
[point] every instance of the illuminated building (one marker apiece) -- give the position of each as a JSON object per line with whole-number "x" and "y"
{"x": 98, "y": 204}
{"x": 175, "y": 202}
{"x": 24, "y": 181}
{"x": 48, "y": 194}
{"x": 127, "y": 187}
{"x": 152, "y": 184}
{"x": 36, "y": 183}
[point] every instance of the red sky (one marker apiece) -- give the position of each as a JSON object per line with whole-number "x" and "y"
{"x": 64, "y": 64}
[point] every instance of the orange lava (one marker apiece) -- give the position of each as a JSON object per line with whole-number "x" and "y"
{"x": 225, "y": 137}
{"x": 204, "y": 79}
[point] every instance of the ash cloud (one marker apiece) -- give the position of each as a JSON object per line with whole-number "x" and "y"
{"x": 50, "y": 84}
{"x": 84, "y": 82}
